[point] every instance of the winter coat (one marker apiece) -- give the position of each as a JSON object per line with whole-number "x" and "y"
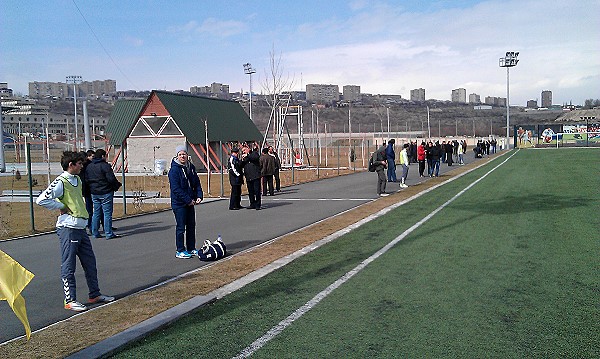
{"x": 100, "y": 178}
{"x": 251, "y": 164}
{"x": 421, "y": 153}
{"x": 389, "y": 152}
{"x": 185, "y": 184}
{"x": 379, "y": 159}
{"x": 268, "y": 165}
{"x": 236, "y": 175}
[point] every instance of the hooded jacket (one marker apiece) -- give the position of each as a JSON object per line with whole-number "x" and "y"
{"x": 185, "y": 184}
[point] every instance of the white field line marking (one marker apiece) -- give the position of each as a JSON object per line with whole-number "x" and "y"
{"x": 276, "y": 330}
{"x": 318, "y": 199}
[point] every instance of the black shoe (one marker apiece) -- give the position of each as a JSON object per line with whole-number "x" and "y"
{"x": 250, "y": 207}
{"x": 234, "y": 209}
{"x": 114, "y": 236}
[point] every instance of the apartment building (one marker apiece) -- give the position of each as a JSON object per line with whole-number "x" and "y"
{"x": 474, "y": 98}
{"x": 63, "y": 90}
{"x": 322, "y": 93}
{"x": 351, "y": 93}
{"x": 417, "y": 95}
{"x": 546, "y": 98}
{"x": 459, "y": 95}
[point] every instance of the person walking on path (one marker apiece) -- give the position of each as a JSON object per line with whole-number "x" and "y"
{"x": 391, "y": 161}
{"x": 102, "y": 182}
{"x": 236, "y": 180}
{"x": 186, "y": 192}
{"x": 404, "y": 163}
{"x": 267, "y": 170}
{"x": 251, "y": 165}
{"x": 380, "y": 162}
{"x": 65, "y": 194}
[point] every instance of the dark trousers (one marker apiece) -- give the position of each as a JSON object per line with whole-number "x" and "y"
{"x": 277, "y": 181}
{"x": 254, "y": 192}
{"x": 235, "y": 200}
{"x": 267, "y": 181}
{"x": 76, "y": 243}
{"x": 421, "y": 167}
{"x": 185, "y": 223}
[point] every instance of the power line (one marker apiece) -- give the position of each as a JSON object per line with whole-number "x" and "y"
{"x": 104, "y": 48}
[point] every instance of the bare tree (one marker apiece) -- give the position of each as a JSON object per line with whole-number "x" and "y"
{"x": 275, "y": 83}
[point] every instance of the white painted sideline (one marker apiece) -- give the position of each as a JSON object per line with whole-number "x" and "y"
{"x": 111, "y": 344}
{"x": 276, "y": 330}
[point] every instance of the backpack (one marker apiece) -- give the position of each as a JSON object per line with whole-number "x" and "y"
{"x": 371, "y": 165}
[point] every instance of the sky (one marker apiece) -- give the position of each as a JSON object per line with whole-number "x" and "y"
{"x": 385, "y": 47}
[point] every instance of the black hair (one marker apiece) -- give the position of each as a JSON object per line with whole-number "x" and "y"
{"x": 265, "y": 150}
{"x": 99, "y": 153}
{"x": 90, "y": 153}
{"x": 69, "y": 157}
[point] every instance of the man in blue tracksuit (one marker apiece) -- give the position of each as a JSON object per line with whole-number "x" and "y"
{"x": 391, "y": 161}
{"x": 186, "y": 192}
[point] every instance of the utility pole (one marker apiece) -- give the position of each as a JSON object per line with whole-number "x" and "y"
{"x": 74, "y": 79}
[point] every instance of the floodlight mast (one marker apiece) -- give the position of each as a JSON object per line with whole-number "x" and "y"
{"x": 74, "y": 79}
{"x": 508, "y": 61}
{"x": 249, "y": 70}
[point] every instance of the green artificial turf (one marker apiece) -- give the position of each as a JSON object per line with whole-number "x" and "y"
{"x": 508, "y": 269}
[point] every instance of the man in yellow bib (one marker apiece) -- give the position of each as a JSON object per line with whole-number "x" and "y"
{"x": 65, "y": 195}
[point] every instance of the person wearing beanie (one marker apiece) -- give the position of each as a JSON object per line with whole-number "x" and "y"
{"x": 186, "y": 192}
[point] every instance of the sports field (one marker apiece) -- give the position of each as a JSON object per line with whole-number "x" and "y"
{"x": 500, "y": 262}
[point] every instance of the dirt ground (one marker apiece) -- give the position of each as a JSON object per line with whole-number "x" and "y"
{"x": 84, "y": 330}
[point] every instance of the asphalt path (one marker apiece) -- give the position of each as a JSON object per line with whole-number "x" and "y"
{"x": 145, "y": 254}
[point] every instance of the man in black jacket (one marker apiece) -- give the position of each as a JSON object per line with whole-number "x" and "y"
{"x": 251, "y": 164}
{"x": 102, "y": 184}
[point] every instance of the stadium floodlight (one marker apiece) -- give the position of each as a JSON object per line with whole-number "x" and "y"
{"x": 74, "y": 79}
{"x": 508, "y": 61}
{"x": 249, "y": 70}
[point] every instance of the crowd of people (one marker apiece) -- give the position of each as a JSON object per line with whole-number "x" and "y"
{"x": 429, "y": 156}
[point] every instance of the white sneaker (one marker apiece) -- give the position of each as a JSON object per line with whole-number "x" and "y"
{"x": 403, "y": 185}
{"x": 75, "y": 306}
{"x": 384, "y": 194}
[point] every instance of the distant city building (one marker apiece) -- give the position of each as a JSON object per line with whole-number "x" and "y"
{"x": 322, "y": 93}
{"x": 417, "y": 95}
{"x": 351, "y": 93}
{"x": 215, "y": 89}
{"x": 474, "y": 98}
{"x": 532, "y": 104}
{"x": 4, "y": 90}
{"x": 63, "y": 90}
{"x": 546, "y": 98}
{"x": 459, "y": 95}
{"x": 495, "y": 101}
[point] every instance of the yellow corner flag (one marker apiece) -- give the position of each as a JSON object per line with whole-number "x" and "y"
{"x": 13, "y": 279}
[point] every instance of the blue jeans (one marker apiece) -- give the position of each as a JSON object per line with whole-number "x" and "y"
{"x": 103, "y": 203}
{"x": 436, "y": 168}
{"x": 185, "y": 223}
{"x": 391, "y": 171}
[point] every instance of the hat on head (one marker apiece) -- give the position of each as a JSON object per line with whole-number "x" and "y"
{"x": 180, "y": 148}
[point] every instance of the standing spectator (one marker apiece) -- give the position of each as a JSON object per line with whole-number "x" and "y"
{"x": 380, "y": 162}
{"x": 449, "y": 150}
{"x": 277, "y": 168}
{"x": 65, "y": 194}
{"x": 87, "y": 195}
{"x": 404, "y": 163}
{"x": 236, "y": 180}
{"x": 435, "y": 159}
{"x": 429, "y": 157}
{"x": 421, "y": 158}
{"x": 494, "y": 143}
{"x": 267, "y": 170}
{"x": 251, "y": 165}
{"x": 412, "y": 152}
{"x": 186, "y": 192}
{"x": 487, "y": 147}
{"x": 103, "y": 183}
{"x": 461, "y": 160}
{"x": 391, "y": 161}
